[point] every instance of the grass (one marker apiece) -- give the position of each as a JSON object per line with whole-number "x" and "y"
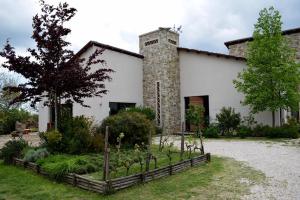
{"x": 220, "y": 179}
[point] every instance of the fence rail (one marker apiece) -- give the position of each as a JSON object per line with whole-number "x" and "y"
{"x": 119, "y": 183}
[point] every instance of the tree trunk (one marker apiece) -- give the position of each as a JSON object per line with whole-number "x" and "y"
{"x": 280, "y": 116}
{"x": 273, "y": 118}
{"x": 55, "y": 111}
{"x": 201, "y": 140}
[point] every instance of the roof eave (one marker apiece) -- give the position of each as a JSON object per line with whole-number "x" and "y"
{"x": 242, "y": 40}
{"x": 105, "y": 46}
{"x": 212, "y": 54}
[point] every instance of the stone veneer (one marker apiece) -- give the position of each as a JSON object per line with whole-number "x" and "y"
{"x": 161, "y": 63}
{"x": 239, "y": 49}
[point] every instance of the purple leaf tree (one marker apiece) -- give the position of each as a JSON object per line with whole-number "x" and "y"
{"x": 53, "y": 71}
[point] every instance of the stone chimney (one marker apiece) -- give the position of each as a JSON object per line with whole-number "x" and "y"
{"x": 161, "y": 84}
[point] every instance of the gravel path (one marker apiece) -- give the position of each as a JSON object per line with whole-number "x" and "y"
{"x": 32, "y": 138}
{"x": 280, "y": 161}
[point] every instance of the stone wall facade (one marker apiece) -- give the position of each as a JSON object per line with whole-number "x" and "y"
{"x": 239, "y": 49}
{"x": 161, "y": 66}
{"x": 295, "y": 43}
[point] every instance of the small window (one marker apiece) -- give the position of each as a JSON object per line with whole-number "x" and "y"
{"x": 172, "y": 41}
{"x": 151, "y": 42}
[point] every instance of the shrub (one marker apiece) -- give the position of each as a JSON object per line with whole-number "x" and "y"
{"x": 260, "y": 130}
{"x": 290, "y": 131}
{"x": 33, "y": 155}
{"x": 52, "y": 140}
{"x": 97, "y": 143}
{"x": 148, "y": 112}
{"x": 212, "y": 131}
{"x": 244, "y": 131}
{"x": 59, "y": 165}
{"x": 11, "y": 149}
{"x": 228, "y": 120}
{"x": 285, "y": 131}
{"x": 135, "y": 126}
{"x": 9, "y": 117}
{"x": 80, "y": 139}
{"x": 79, "y": 136}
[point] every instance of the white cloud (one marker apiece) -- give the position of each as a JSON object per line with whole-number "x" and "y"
{"x": 207, "y": 24}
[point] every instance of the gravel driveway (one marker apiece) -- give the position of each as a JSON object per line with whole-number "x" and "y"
{"x": 32, "y": 138}
{"x": 280, "y": 161}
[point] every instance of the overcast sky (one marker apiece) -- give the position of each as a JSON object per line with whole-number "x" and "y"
{"x": 207, "y": 24}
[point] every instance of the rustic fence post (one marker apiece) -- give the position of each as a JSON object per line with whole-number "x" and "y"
{"x": 192, "y": 162}
{"x": 148, "y": 159}
{"x": 171, "y": 169}
{"x": 38, "y": 169}
{"x": 182, "y": 141}
{"x": 106, "y": 156}
{"x": 208, "y": 157}
{"x": 74, "y": 179}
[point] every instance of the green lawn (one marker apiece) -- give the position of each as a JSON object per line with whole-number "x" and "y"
{"x": 220, "y": 179}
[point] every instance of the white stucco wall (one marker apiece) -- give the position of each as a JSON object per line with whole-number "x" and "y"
{"x": 202, "y": 74}
{"x": 126, "y": 86}
{"x": 44, "y": 116}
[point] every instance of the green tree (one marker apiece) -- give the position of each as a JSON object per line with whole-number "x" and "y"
{"x": 195, "y": 116}
{"x": 6, "y": 97}
{"x": 271, "y": 80}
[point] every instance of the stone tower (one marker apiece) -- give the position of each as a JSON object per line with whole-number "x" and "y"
{"x": 162, "y": 76}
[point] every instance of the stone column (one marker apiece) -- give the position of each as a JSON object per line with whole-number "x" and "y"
{"x": 161, "y": 69}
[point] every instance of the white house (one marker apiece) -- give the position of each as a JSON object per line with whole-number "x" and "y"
{"x": 167, "y": 78}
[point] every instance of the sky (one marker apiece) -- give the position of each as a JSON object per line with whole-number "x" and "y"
{"x": 206, "y": 24}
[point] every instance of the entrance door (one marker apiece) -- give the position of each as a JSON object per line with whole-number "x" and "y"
{"x": 197, "y": 100}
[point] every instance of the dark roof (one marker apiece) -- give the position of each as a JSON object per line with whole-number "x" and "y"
{"x": 212, "y": 53}
{"x": 286, "y": 32}
{"x": 105, "y": 46}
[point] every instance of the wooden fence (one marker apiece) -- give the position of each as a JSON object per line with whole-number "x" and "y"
{"x": 109, "y": 186}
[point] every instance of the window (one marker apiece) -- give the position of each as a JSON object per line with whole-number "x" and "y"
{"x": 158, "y": 104}
{"x": 151, "y": 42}
{"x": 172, "y": 41}
{"x": 115, "y": 107}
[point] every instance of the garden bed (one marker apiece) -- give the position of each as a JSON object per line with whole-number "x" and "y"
{"x": 119, "y": 183}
